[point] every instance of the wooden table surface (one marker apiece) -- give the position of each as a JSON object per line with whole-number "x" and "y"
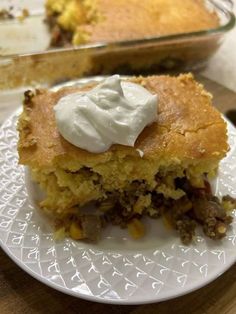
{"x": 20, "y": 293}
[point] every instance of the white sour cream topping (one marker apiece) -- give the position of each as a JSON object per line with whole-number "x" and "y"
{"x": 114, "y": 112}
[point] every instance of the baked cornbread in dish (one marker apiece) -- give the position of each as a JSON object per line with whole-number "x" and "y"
{"x": 165, "y": 174}
{"x": 91, "y": 21}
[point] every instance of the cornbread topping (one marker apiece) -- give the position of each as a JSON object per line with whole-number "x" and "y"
{"x": 113, "y": 112}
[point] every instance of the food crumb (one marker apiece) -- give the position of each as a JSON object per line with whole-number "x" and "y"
{"x": 24, "y": 14}
{"x": 5, "y": 15}
{"x": 141, "y": 153}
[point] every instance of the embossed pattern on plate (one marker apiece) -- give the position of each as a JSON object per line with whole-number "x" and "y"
{"x": 135, "y": 273}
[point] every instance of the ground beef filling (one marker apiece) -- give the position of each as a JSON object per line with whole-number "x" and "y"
{"x": 197, "y": 207}
{"x": 59, "y": 37}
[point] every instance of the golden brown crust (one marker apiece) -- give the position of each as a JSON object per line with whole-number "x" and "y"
{"x": 188, "y": 127}
{"x": 151, "y": 18}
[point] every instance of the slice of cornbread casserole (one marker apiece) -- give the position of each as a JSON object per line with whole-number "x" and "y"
{"x": 166, "y": 173}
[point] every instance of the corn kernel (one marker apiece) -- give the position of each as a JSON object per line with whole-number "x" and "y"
{"x": 228, "y": 206}
{"x": 76, "y": 232}
{"x": 197, "y": 182}
{"x": 221, "y": 229}
{"x": 136, "y": 229}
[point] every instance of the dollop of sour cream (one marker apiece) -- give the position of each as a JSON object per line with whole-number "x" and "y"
{"x": 114, "y": 112}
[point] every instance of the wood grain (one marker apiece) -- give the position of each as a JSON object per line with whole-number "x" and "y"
{"x": 20, "y": 293}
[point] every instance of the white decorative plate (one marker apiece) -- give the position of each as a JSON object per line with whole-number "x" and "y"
{"x": 117, "y": 269}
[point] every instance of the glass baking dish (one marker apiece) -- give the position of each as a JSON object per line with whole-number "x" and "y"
{"x": 25, "y": 59}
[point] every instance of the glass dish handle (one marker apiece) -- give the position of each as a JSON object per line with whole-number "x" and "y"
{"x": 225, "y": 4}
{"x": 229, "y": 3}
